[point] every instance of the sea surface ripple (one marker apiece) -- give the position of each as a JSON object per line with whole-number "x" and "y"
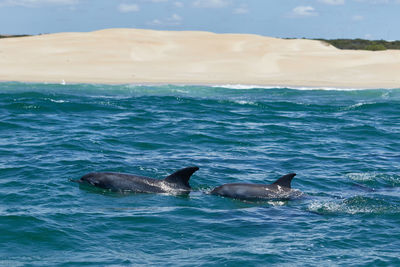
{"x": 343, "y": 145}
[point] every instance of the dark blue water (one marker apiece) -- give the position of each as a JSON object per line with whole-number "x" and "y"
{"x": 343, "y": 145}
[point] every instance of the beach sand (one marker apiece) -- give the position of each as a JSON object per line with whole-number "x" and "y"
{"x": 170, "y": 57}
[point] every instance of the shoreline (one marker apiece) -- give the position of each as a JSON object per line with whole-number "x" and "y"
{"x": 226, "y": 86}
{"x": 132, "y": 56}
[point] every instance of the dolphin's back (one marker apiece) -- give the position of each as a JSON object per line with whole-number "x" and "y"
{"x": 122, "y": 182}
{"x": 176, "y": 183}
{"x": 246, "y": 191}
{"x": 280, "y": 189}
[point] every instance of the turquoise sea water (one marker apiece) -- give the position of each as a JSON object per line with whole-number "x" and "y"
{"x": 343, "y": 145}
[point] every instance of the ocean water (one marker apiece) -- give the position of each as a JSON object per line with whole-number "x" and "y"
{"x": 343, "y": 145}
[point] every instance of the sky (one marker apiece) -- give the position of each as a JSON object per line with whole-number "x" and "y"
{"x": 329, "y": 19}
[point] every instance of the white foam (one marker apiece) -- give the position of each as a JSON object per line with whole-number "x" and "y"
{"x": 342, "y": 207}
{"x": 317, "y": 206}
{"x": 244, "y": 102}
{"x": 354, "y": 106}
{"x": 373, "y": 176}
{"x": 56, "y": 101}
{"x": 245, "y": 86}
{"x": 362, "y": 177}
{"x": 276, "y": 203}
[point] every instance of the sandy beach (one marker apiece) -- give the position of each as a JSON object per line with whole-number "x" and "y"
{"x": 135, "y": 56}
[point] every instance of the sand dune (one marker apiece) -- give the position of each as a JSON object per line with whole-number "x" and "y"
{"x": 147, "y": 56}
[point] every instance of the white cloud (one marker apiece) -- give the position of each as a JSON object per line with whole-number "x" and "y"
{"x": 211, "y": 3}
{"x": 304, "y": 11}
{"x": 174, "y": 20}
{"x": 373, "y": 1}
{"x": 125, "y": 8}
{"x": 155, "y": 22}
{"x": 332, "y": 2}
{"x": 176, "y": 17}
{"x": 241, "y": 10}
{"x": 357, "y": 18}
{"x": 368, "y": 36}
{"x": 379, "y": 1}
{"x": 34, "y": 3}
{"x": 178, "y": 4}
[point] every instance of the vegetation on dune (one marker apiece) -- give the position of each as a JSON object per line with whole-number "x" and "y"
{"x": 12, "y": 36}
{"x": 361, "y": 44}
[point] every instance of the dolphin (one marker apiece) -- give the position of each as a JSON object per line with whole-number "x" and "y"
{"x": 280, "y": 189}
{"x": 176, "y": 183}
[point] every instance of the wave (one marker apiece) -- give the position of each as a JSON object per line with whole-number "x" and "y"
{"x": 326, "y": 88}
{"x": 56, "y": 101}
{"x": 354, "y": 205}
{"x": 355, "y": 106}
{"x": 375, "y": 178}
{"x": 245, "y": 102}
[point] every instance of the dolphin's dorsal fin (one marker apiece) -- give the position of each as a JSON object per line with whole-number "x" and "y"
{"x": 285, "y": 180}
{"x": 182, "y": 176}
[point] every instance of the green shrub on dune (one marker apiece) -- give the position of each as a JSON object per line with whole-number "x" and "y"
{"x": 12, "y": 36}
{"x": 361, "y": 44}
